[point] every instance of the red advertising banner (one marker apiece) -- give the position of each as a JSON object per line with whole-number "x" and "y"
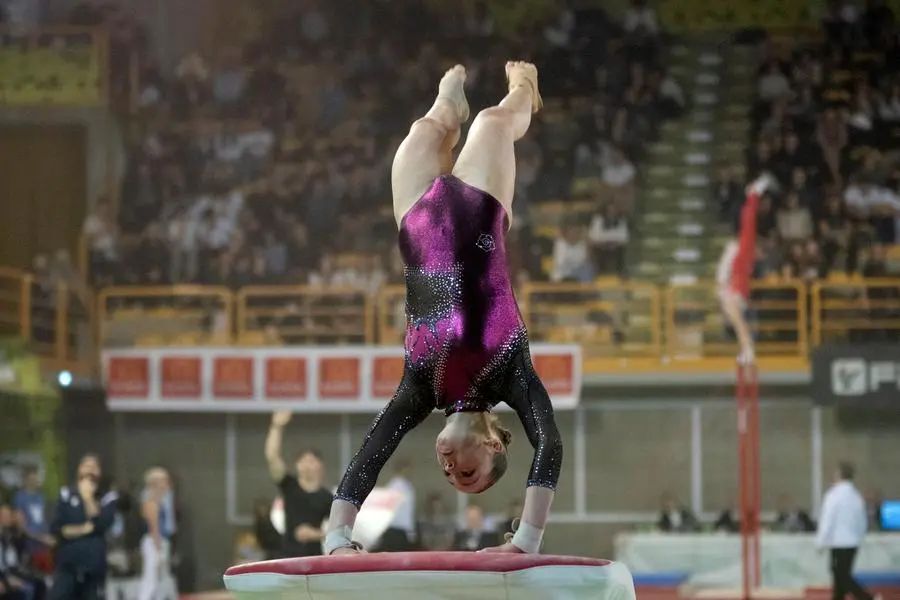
{"x": 315, "y": 380}
{"x": 128, "y": 377}
{"x": 386, "y": 374}
{"x": 286, "y": 378}
{"x": 181, "y": 377}
{"x": 557, "y": 372}
{"x": 233, "y": 377}
{"x": 339, "y": 378}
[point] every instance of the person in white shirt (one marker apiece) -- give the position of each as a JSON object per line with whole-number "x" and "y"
{"x": 401, "y": 533}
{"x": 619, "y": 178}
{"x": 571, "y": 257}
{"x": 842, "y": 526}
{"x": 608, "y": 233}
{"x": 773, "y": 85}
{"x": 863, "y": 198}
{"x": 101, "y": 232}
{"x": 640, "y": 16}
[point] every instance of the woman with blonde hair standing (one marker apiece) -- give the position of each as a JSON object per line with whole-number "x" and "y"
{"x": 156, "y": 582}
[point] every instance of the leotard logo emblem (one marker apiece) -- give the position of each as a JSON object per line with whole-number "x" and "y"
{"x": 486, "y": 242}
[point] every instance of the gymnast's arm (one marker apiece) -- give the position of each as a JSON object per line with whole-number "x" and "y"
{"x": 411, "y": 404}
{"x": 532, "y": 403}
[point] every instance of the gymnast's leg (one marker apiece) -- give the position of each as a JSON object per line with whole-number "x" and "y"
{"x": 488, "y": 159}
{"x": 426, "y": 153}
{"x": 733, "y": 307}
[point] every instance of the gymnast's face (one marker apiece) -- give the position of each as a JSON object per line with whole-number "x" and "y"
{"x": 467, "y": 460}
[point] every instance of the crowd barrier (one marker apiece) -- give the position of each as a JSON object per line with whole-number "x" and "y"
{"x": 56, "y": 320}
{"x": 620, "y": 322}
{"x": 700, "y": 16}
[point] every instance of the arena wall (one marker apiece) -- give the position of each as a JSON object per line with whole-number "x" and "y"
{"x": 627, "y": 462}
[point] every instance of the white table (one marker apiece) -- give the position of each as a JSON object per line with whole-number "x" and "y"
{"x": 714, "y": 560}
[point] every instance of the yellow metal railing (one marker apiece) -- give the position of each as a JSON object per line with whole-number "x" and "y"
{"x": 619, "y": 324}
{"x": 614, "y": 319}
{"x": 51, "y": 317}
{"x": 856, "y": 310}
{"x": 695, "y": 327}
{"x": 390, "y": 305}
{"x": 698, "y": 16}
{"x": 180, "y": 315}
{"x": 304, "y": 315}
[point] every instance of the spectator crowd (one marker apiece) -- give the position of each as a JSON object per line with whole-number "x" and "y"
{"x": 30, "y": 537}
{"x": 269, "y": 161}
{"x": 825, "y": 124}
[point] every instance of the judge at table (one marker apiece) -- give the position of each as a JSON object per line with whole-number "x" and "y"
{"x": 675, "y": 518}
{"x": 791, "y": 518}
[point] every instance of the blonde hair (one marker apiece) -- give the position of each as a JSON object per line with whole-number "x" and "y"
{"x": 154, "y": 475}
{"x": 501, "y": 460}
{"x": 496, "y": 426}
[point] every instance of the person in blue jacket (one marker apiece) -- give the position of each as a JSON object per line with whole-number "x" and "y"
{"x": 83, "y": 516}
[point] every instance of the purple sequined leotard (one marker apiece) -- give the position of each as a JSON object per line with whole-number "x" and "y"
{"x": 466, "y": 346}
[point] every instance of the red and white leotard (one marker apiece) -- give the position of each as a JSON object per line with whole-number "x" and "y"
{"x": 736, "y": 265}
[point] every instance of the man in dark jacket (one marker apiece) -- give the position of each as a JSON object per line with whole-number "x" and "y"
{"x": 83, "y": 516}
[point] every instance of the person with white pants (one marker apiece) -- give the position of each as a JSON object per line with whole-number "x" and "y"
{"x": 157, "y": 582}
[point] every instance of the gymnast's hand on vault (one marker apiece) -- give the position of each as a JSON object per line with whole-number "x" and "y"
{"x": 506, "y": 548}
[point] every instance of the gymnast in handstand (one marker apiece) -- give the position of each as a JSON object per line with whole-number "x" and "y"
{"x": 466, "y": 349}
{"x": 735, "y": 270}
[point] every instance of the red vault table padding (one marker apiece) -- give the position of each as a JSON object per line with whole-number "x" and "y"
{"x": 413, "y": 561}
{"x": 432, "y": 576}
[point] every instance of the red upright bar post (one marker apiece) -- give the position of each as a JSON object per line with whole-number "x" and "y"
{"x": 744, "y": 482}
{"x": 754, "y": 453}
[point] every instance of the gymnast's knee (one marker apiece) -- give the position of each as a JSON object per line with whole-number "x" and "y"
{"x": 494, "y": 117}
{"x": 429, "y": 124}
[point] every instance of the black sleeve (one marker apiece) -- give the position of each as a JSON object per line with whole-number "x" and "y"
{"x": 664, "y": 523}
{"x": 104, "y": 520}
{"x": 412, "y": 403}
{"x": 808, "y": 524}
{"x": 288, "y": 481}
{"x": 723, "y": 523}
{"x": 59, "y": 516}
{"x": 531, "y": 402}
{"x": 780, "y": 519}
{"x": 458, "y": 541}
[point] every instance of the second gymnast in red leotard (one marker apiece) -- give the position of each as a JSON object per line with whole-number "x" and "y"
{"x": 736, "y": 269}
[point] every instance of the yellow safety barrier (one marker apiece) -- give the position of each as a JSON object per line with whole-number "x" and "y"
{"x": 610, "y": 320}
{"x": 622, "y": 326}
{"x": 55, "y": 66}
{"x": 856, "y": 311}
{"x": 181, "y": 315}
{"x": 50, "y": 317}
{"x": 391, "y": 307}
{"x": 697, "y": 16}
{"x": 304, "y": 315}
{"x": 695, "y": 326}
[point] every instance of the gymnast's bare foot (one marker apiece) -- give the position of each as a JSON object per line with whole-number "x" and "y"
{"x": 524, "y": 74}
{"x": 452, "y": 89}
